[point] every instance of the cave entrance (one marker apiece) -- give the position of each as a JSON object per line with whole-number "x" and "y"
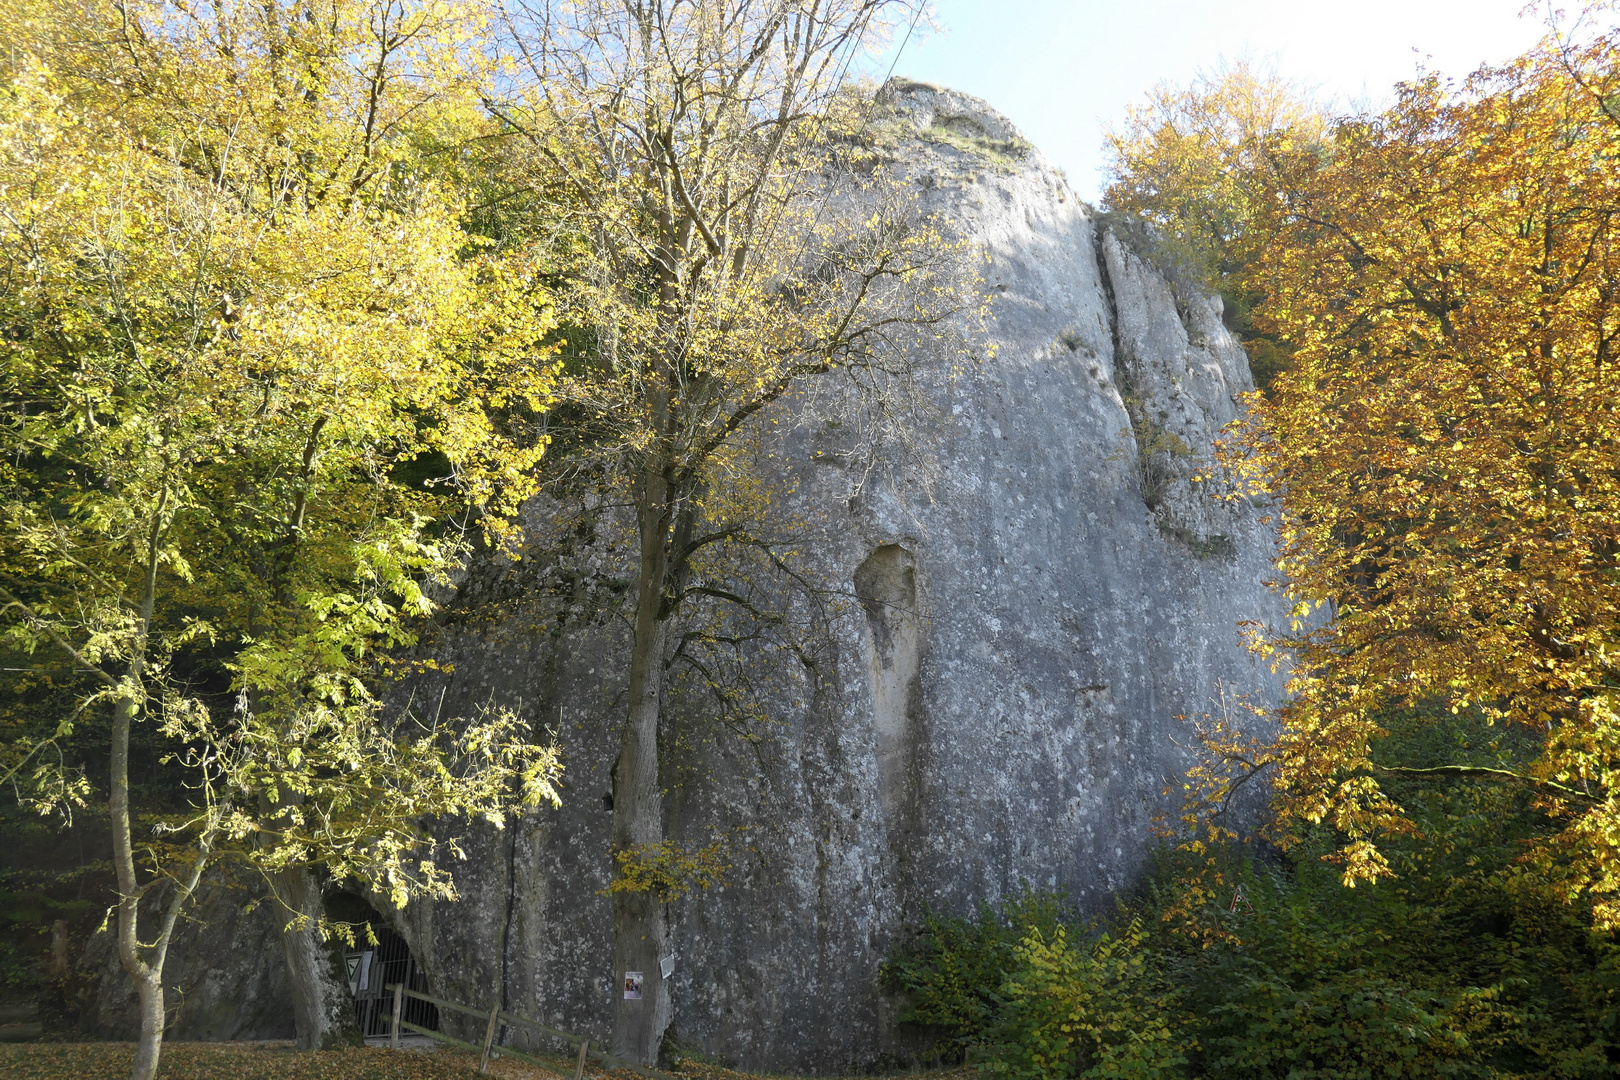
{"x": 373, "y": 968}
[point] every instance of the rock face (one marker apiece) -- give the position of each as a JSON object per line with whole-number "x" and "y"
{"x": 225, "y": 978}
{"x": 996, "y": 695}
{"x": 981, "y": 690}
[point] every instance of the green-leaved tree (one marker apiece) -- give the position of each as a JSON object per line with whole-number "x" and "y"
{"x": 258, "y": 382}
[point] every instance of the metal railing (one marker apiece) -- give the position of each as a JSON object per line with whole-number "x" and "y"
{"x": 494, "y": 1017}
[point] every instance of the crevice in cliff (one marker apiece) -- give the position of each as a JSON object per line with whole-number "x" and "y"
{"x": 1160, "y": 459}
{"x": 1150, "y": 444}
{"x": 1111, "y": 302}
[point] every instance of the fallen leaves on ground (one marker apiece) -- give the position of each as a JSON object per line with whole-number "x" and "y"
{"x": 279, "y": 1061}
{"x": 224, "y": 1061}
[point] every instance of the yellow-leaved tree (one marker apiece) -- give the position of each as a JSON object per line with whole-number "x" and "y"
{"x": 1446, "y": 448}
{"x": 721, "y": 256}
{"x": 1202, "y": 166}
{"x": 259, "y": 379}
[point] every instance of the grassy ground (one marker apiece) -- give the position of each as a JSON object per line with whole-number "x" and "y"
{"x": 279, "y": 1061}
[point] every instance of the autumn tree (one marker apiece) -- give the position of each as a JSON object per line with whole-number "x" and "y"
{"x": 1445, "y": 447}
{"x": 1201, "y": 165}
{"x": 255, "y": 372}
{"x": 719, "y": 261}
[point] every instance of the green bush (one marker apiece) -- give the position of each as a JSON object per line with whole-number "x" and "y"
{"x": 1093, "y": 1011}
{"x": 1027, "y": 991}
{"x": 1358, "y": 1026}
{"x": 951, "y": 972}
{"x": 1466, "y": 964}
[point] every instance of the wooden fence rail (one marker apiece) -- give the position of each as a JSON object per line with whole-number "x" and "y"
{"x": 493, "y": 1018}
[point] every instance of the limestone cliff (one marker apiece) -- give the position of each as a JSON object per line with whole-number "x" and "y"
{"x": 997, "y": 699}
{"x": 1003, "y": 640}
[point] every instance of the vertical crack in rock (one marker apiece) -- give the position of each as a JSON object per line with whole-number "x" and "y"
{"x": 1110, "y": 300}
{"x": 887, "y": 586}
{"x": 1145, "y": 450}
{"x": 1172, "y": 382}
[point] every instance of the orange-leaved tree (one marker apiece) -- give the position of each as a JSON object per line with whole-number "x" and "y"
{"x": 1446, "y": 447}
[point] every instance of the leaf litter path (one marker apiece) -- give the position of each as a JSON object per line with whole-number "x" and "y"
{"x": 279, "y": 1061}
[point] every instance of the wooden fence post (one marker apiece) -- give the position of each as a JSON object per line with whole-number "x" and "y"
{"x": 489, "y": 1036}
{"x": 584, "y": 1048}
{"x": 399, "y": 1001}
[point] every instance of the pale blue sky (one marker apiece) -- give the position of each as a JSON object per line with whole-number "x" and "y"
{"x": 1063, "y": 70}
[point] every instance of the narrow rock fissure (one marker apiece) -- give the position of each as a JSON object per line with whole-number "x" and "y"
{"x": 1141, "y": 451}
{"x": 1111, "y": 303}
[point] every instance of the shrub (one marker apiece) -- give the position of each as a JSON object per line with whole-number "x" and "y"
{"x": 1092, "y": 1011}
{"x": 951, "y": 972}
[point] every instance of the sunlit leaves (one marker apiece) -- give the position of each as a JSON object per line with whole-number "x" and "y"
{"x": 1446, "y": 444}
{"x": 262, "y": 384}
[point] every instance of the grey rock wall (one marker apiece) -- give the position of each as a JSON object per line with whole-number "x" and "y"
{"x": 224, "y": 979}
{"x": 1003, "y": 656}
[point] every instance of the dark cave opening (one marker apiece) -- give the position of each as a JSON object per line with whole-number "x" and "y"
{"x": 379, "y": 959}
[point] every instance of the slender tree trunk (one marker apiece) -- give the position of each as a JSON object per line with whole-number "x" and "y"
{"x": 144, "y": 961}
{"x": 149, "y": 995}
{"x": 323, "y": 1009}
{"x": 640, "y": 923}
{"x": 148, "y": 982}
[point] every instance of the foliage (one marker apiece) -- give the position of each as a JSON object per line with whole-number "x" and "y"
{"x": 1200, "y": 166}
{"x": 1444, "y": 447}
{"x": 669, "y": 871}
{"x": 1460, "y": 966}
{"x": 1463, "y": 964}
{"x": 952, "y": 970}
{"x": 1091, "y": 1010}
{"x": 1013, "y": 993}
{"x": 219, "y": 370}
{"x": 240, "y": 318}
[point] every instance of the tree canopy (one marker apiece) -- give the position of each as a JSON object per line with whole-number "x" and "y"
{"x": 263, "y": 390}
{"x": 1201, "y": 166}
{"x": 1444, "y": 448}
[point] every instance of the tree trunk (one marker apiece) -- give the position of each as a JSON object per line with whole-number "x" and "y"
{"x": 640, "y": 924}
{"x": 149, "y": 993}
{"x": 323, "y": 1008}
{"x": 148, "y": 981}
{"x": 144, "y": 961}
